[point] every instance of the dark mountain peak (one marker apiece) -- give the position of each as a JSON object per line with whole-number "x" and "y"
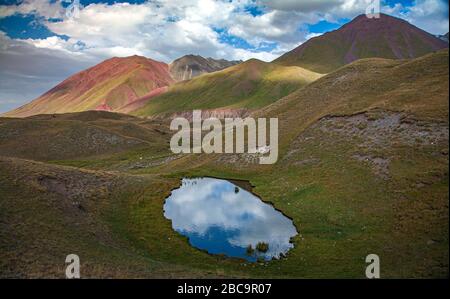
{"x": 190, "y": 66}
{"x": 384, "y": 22}
{"x": 190, "y": 56}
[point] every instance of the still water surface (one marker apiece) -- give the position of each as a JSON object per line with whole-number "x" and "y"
{"x": 222, "y": 218}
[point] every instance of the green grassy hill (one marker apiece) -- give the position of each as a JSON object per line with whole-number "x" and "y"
{"x": 252, "y": 84}
{"x": 417, "y": 87}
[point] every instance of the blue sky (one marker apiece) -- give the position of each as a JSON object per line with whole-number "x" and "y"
{"x": 41, "y": 43}
{"x": 32, "y": 25}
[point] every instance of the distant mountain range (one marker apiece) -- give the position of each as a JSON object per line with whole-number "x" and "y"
{"x": 143, "y": 86}
{"x": 443, "y": 37}
{"x": 119, "y": 84}
{"x": 386, "y": 37}
{"x": 190, "y": 66}
{"x": 251, "y": 84}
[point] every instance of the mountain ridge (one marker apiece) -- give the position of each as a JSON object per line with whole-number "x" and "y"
{"x": 132, "y": 83}
{"x": 386, "y": 37}
{"x": 116, "y": 84}
{"x": 251, "y": 84}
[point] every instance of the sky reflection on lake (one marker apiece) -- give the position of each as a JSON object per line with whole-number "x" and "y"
{"x": 221, "y": 218}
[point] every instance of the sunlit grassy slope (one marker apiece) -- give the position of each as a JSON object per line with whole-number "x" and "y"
{"x": 418, "y": 87}
{"x": 252, "y": 84}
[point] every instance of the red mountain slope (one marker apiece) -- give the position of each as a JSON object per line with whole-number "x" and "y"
{"x": 110, "y": 85}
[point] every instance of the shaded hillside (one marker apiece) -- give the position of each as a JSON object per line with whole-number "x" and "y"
{"x": 386, "y": 37}
{"x": 75, "y": 135}
{"x": 48, "y": 210}
{"x": 252, "y": 84}
{"x": 190, "y": 66}
{"x": 109, "y": 85}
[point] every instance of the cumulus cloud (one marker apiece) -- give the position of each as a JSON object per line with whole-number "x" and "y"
{"x": 429, "y": 15}
{"x": 158, "y": 29}
{"x": 45, "y": 8}
{"x": 302, "y": 6}
{"x": 165, "y": 29}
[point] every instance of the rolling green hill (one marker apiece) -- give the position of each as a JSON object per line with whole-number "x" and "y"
{"x": 252, "y": 84}
{"x": 417, "y": 87}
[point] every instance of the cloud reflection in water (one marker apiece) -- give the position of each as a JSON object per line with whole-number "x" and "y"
{"x": 217, "y": 219}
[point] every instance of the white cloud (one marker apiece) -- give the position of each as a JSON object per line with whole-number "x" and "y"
{"x": 43, "y": 8}
{"x": 148, "y": 29}
{"x": 166, "y": 29}
{"x": 312, "y": 35}
{"x": 429, "y": 15}
{"x": 27, "y": 71}
{"x": 302, "y": 6}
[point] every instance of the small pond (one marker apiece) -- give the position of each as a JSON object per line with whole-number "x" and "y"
{"x": 222, "y": 218}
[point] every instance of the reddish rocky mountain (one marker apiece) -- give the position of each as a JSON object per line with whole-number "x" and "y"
{"x": 386, "y": 37}
{"x": 110, "y": 85}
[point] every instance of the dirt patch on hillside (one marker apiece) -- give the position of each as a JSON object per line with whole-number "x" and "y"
{"x": 52, "y": 184}
{"x": 214, "y": 113}
{"x": 370, "y": 137}
{"x": 379, "y": 165}
{"x": 381, "y": 129}
{"x": 143, "y": 163}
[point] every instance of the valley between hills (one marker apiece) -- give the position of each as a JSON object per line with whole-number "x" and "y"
{"x": 362, "y": 168}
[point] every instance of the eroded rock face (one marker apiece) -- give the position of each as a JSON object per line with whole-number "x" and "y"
{"x": 372, "y": 138}
{"x": 383, "y": 129}
{"x": 190, "y": 66}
